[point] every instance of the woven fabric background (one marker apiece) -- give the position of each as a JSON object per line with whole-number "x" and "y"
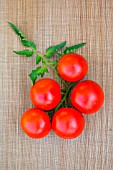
{"x": 49, "y": 22}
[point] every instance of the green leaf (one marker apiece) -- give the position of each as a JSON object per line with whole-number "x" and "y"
{"x": 60, "y": 46}
{"x": 33, "y": 76}
{"x": 60, "y": 55}
{"x": 54, "y": 62}
{"x": 73, "y": 48}
{"x": 43, "y": 61}
{"x": 24, "y": 40}
{"x": 53, "y": 49}
{"x": 40, "y": 71}
{"x": 17, "y": 31}
{"x": 38, "y": 59}
{"x": 27, "y": 53}
{"x": 28, "y": 43}
{"x": 50, "y": 52}
{"x": 45, "y": 70}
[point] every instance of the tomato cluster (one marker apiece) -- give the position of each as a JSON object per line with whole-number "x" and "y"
{"x": 51, "y": 103}
{"x": 86, "y": 97}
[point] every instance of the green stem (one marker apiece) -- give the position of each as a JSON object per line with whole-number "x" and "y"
{"x": 66, "y": 103}
{"x": 48, "y": 64}
{"x": 64, "y": 98}
{"x": 63, "y": 81}
{"x": 68, "y": 88}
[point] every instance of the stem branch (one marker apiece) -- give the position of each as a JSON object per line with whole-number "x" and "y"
{"x": 63, "y": 81}
{"x": 64, "y": 98}
{"x": 49, "y": 64}
{"x": 68, "y": 88}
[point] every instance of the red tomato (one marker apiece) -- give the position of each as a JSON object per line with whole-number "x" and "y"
{"x": 87, "y": 97}
{"x": 72, "y": 67}
{"x": 35, "y": 123}
{"x": 68, "y": 123}
{"x": 45, "y": 94}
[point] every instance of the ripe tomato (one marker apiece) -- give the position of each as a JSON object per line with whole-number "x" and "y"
{"x": 35, "y": 123}
{"x": 45, "y": 94}
{"x": 72, "y": 67}
{"x": 68, "y": 123}
{"x": 87, "y": 97}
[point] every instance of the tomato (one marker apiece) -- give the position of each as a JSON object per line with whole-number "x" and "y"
{"x": 87, "y": 97}
{"x": 35, "y": 123}
{"x": 72, "y": 67}
{"x": 45, "y": 94}
{"x": 68, "y": 123}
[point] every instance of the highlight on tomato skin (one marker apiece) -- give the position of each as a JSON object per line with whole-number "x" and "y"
{"x": 45, "y": 94}
{"x": 87, "y": 96}
{"x": 72, "y": 67}
{"x": 68, "y": 123}
{"x": 35, "y": 123}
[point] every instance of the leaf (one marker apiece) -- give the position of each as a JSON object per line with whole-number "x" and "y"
{"x": 51, "y": 62}
{"x": 60, "y": 55}
{"x": 28, "y": 43}
{"x": 46, "y": 70}
{"x": 17, "y": 31}
{"x": 60, "y": 46}
{"x": 33, "y": 76}
{"x": 73, "y": 48}
{"x": 40, "y": 71}
{"x": 27, "y": 53}
{"x": 54, "y": 62}
{"x": 51, "y": 50}
{"x": 43, "y": 61}
{"x": 38, "y": 59}
{"x": 24, "y": 40}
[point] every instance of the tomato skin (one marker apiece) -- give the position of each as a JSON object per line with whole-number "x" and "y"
{"x": 68, "y": 123}
{"x": 35, "y": 123}
{"x": 72, "y": 67}
{"x": 45, "y": 94}
{"x": 87, "y": 96}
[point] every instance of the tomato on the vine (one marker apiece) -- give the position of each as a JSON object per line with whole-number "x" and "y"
{"x": 45, "y": 94}
{"x": 35, "y": 123}
{"x": 68, "y": 123}
{"x": 72, "y": 67}
{"x": 87, "y": 96}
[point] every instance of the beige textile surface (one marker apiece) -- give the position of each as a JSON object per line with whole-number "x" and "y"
{"x": 49, "y": 22}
